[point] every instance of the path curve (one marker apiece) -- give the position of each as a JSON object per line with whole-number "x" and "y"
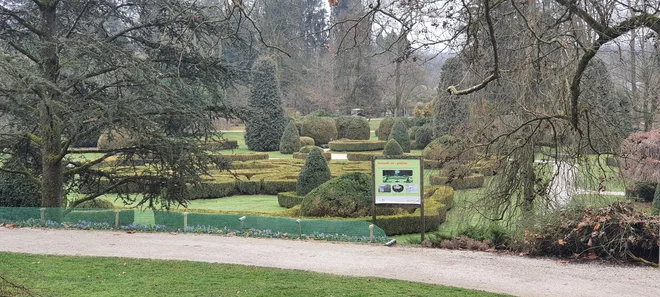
{"x": 473, "y": 270}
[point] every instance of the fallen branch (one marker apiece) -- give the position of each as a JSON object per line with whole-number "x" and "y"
{"x": 642, "y": 260}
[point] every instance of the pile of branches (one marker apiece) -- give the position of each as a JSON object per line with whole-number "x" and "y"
{"x": 614, "y": 233}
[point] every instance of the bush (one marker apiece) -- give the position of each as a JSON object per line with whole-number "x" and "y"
{"x": 96, "y": 203}
{"x": 314, "y": 173}
{"x": 308, "y": 148}
{"x": 245, "y": 157}
{"x": 400, "y": 134}
{"x": 355, "y": 128}
{"x": 304, "y": 141}
{"x": 18, "y": 191}
{"x": 356, "y": 145}
{"x": 656, "y": 202}
{"x": 290, "y": 141}
{"x": 212, "y": 189}
{"x": 643, "y": 191}
{"x": 392, "y": 148}
{"x": 116, "y": 140}
{"x": 423, "y": 136}
{"x": 347, "y": 196}
{"x": 322, "y": 130}
{"x": 289, "y": 199}
{"x": 362, "y": 156}
{"x": 436, "y": 202}
{"x": 303, "y": 156}
{"x": 384, "y": 129}
{"x": 412, "y": 131}
{"x": 266, "y": 121}
{"x": 221, "y": 144}
{"x": 468, "y": 182}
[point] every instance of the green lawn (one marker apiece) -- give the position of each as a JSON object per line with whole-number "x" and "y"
{"x": 252, "y": 203}
{"x": 95, "y": 276}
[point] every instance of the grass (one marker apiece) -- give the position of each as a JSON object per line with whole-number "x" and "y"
{"x": 242, "y": 147}
{"x": 252, "y": 203}
{"x": 97, "y": 276}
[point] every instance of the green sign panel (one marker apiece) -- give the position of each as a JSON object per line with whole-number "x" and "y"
{"x": 398, "y": 181}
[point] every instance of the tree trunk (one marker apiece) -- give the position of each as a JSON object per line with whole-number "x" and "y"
{"x": 50, "y": 129}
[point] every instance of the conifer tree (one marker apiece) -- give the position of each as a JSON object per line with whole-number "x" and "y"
{"x": 265, "y": 123}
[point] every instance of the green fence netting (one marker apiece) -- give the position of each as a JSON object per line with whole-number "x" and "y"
{"x": 176, "y": 220}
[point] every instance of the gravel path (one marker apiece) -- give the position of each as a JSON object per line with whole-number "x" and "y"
{"x": 474, "y": 270}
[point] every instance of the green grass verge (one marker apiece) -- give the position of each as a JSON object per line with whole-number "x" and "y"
{"x": 96, "y": 276}
{"x": 242, "y": 147}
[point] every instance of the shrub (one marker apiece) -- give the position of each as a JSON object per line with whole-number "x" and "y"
{"x": 303, "y": 156}
{"x": 347, "y": 196}
{"x": 423, "y": 136}
{"x": 221, "y": 144}
{"x": 400, "y": 134}
{"x": 322, "y": 130}
{"x": 656, "y": 201}
{"x": 116, "y": 140}
{"x": 266, "y": 121}
{"x": 96, "y": 203}
{"x": 18, "y": 191}
{"x": 289, "y": 199}
{"x": 384, "y": 129}
{"x": 369, "y": 156}
{"x": 290, "y": 141}
{"x": 392, "y": 148}
{"x": 356, "y": 145}
{"x": 212, "y": 189}
{"x": 356, "y": 128}
{"x": 643, "y": 191}
{"x": 412, "y": 131}
{"x": 245, "y": 157}
{"x": 304, "y": 141}
{"x": 314, "y": 173}
{"x": 247, "y": 186}
{"x": 308, "y": 148}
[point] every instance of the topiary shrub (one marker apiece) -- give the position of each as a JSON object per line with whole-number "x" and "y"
{"x": 356, "y": 128}
{"x": 656, "y": 202}
{"x": 289, "y": 199}
{"x": 116, "y": 140}
{"x": 423, "y": 136}
{"x": 304, "y": 140}
{"x": 392, "y": 148}
{"x": 362, "y": 156}
{"x": 18, "y": 191}
{"x": 308, "y": 148}
{"x": 400, "y": 134}
{"x": 96, "y": 203}
{"x": 322, "y": 130}
{"x": 290, "y": 141}
{"x": 384, "y": 129}
{"x": 314, "y": 173}
{"x": 347, "y": 196}
{"x": 266, "y": 120}
{"x": 643, "y": 191}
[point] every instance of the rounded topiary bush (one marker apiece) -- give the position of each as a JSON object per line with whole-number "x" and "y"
{"x": 116, "y": 140}
{"x": 392, "y": 148}
{"x": 423, "y": 136}
{"x": 321, "y": 129}
{"x": 347, "y": 196}
{"x": 308, "y": 148}
{"x": 304, "y": 140}
{"x": 400, "y": 134}
{"x": 356, "y": 128}
{"x": 290, "y": 141}
{"x": 384, "y": 129}
{"x": 96, "y": 203}
{"x": 436, "y": 150}
{"x": 314, "y": 173}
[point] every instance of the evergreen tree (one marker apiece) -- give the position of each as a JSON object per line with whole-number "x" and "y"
{"x": 290, "y": 141}
{"x": 313, "y": 174}
{"x": 400, "y": 134}
{"x": 265, "y": 122}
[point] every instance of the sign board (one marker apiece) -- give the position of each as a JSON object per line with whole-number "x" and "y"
{"x": 398, "y": 181}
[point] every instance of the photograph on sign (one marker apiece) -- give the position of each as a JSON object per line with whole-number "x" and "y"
{"x": 397, "y": 181}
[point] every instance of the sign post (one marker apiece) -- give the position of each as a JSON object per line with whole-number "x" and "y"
{"x": 399, "y": 181}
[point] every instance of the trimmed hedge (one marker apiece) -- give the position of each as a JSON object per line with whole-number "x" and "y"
{"x": 384, "y": 129}
{"x": 362, "y": 156}
{"x": 303, "y": 156}
{"x": 355, "y": 128}
{"x": 96, "y": 203}
{"x": 273, "y": 185}
{"x": 289, "y": 199}
{"x": 220, "y": 145}
{"x": 400, "y": 134}
{"x": 345, "y": 145}
{"x": 212, "y": 189}
{"x": 245, "y": 157}
{"x": 248, "y": 186}
{"x": 469, "y": 182}
{"x": 423, "y": 136}
{"x": 644, "y": 191}
{"x": 436, "y": 203}
{"x": 321, "y": 129}
{"x": 304, "y": 141}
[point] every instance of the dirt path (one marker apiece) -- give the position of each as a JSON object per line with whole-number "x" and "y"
{"x": 483, "y": 271}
